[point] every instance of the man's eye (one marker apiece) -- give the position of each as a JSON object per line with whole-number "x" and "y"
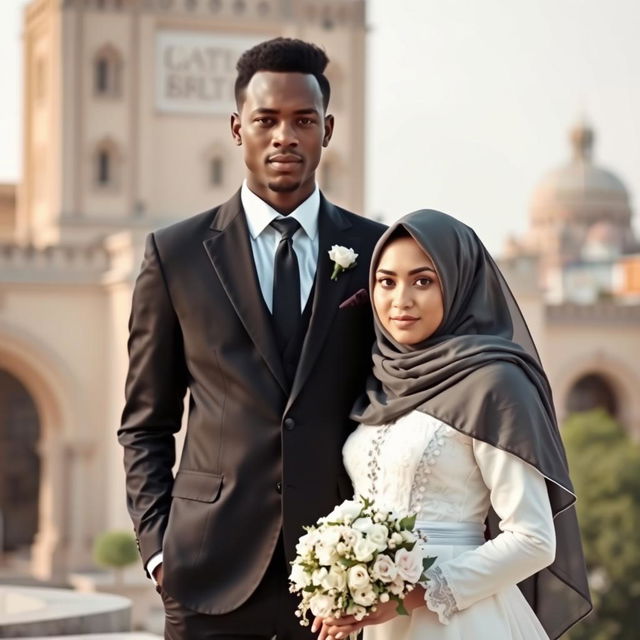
{"x": 305, "y": 122}
{"x": 264, "y": 121}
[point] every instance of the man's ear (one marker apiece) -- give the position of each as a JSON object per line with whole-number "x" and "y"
{"x": 328, "y": 130}
{"x": 235, "y": 128}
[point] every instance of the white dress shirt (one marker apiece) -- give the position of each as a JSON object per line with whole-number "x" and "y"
{"x": 265, "y": 239}
{"x": 264, "y": 243}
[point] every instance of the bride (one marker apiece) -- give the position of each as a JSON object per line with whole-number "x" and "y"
{"x": 458, "y": 425}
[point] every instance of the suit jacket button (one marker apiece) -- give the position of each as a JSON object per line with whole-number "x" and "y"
{"x": 279, "y": 487}
{"x": 289, "y": 424}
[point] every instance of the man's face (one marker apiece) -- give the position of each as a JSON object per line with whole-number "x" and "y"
{"x": 282, "y": 127}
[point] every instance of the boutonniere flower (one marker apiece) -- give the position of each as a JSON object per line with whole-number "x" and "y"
{"x": 342, "y": 259}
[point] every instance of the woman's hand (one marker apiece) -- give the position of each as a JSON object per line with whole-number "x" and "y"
{"x": 340, "y": 628}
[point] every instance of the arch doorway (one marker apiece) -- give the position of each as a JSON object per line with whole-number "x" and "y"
{"x": 19, "y": 464}
{"x": 592, "y": 391}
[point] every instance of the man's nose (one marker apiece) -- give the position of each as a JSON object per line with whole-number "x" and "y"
{"x": 284, "y": 135}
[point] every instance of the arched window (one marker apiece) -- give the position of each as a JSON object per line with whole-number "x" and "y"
{"x": 216, "y": 171}
{"x": 106, "y": 164}
{"x": 107, "y": 72}
{"x": 19, "y": 463}
{"x": 592, "y": 391}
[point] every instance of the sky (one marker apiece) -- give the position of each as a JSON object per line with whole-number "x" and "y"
{"x": 469, "y": 103}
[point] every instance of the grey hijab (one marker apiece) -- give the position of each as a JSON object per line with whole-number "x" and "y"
{"x": 480, "y": 373}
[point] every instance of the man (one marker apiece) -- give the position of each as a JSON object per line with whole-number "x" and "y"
{"x": 238, "y": 306}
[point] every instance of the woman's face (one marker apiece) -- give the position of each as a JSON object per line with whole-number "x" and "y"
{"x": 406, "y": 295}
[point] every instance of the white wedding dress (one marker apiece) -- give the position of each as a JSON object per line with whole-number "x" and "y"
{"x": 421, "y": 464}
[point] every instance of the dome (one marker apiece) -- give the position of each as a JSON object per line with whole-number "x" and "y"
{"x": 602, "y": 242}
{"x": 581, "y": 192}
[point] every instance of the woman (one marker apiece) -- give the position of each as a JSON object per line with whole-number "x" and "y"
{"x": 458, "y": 425}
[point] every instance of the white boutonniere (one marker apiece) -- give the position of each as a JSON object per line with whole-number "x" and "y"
{"x": 343, "y": 259}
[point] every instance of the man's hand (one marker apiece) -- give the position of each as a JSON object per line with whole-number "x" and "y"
{"x": 158, "y": 574}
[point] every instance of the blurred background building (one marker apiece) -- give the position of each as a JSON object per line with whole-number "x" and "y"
{"x": 127, "y": 107}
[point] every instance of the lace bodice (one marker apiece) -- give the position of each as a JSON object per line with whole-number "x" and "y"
{"x": 418, "y": 464}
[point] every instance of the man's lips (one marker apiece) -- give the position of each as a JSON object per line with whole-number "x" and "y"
{"x": 282, "y": 158}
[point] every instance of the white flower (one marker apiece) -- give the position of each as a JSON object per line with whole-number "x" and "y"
{"x": 363, "y": 524}
{"x": 351, "y": 537}
{"x": 409, "y": 564}
{"x": 364, "y": 597}
{"x": 384, "y": 569}
{"x": 408, "y": 536}
{"x": 357, "y": 611}
{"x": 345, "y": 512}
{"x": 384, "y": 597}
{"x": 396, "y": 538}
{"x": 306, "y": 542}
{"x": 377, "y": 534}
{"x": 329, "y": 536}
{"x": 358, "y": 577}
{"x": 299, "y": 577}
{"x": 321, "y": 605}
{"x": 397, "y": 586}
{"x": 363, "y": 550}
{"x": 342, "y": 256}
{"x": 318, "y": 576}
{"x": 326, "y": 554}
{"x": 336, "y": 579}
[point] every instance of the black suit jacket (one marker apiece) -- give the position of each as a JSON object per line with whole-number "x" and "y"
{"x": 261, "y": 456}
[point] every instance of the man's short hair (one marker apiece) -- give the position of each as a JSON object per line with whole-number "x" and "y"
{"x": 283, "y": 55}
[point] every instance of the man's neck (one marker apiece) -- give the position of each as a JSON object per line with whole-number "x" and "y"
{"x": 284, "y": 202}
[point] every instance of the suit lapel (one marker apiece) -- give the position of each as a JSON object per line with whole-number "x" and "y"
{"x": 229, "y": 250}
{"x": 333, "y": 228}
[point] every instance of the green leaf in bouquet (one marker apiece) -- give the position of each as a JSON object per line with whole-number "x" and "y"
{"x": 408, "y": 522}
{"x": 427, "y": 562}
{"x": 401, "y": 610}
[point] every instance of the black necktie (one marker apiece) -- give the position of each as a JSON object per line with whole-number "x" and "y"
{"x": 286, "y": 283}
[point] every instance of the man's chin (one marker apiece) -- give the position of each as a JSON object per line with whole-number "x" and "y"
{"x": 284, "y": 186}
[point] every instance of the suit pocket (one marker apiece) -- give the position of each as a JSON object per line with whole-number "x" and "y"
{"x": 197, "y": 485}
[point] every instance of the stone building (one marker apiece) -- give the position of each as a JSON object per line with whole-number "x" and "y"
{"x": 127, "y": 106}
{"x": 576, "y": 273}
{"x": 126, "y": 129}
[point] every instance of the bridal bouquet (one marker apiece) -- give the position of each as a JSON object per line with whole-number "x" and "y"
{"x": 353, "y": 559}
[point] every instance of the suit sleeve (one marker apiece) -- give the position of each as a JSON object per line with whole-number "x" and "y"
{"x": 525, "y": 545}
{"x": 155, "y": 389}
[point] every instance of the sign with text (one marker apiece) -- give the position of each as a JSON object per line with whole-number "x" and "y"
{"x": 195, "y": 71}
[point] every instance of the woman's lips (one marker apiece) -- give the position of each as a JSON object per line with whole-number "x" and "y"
{"x": 404, "y": 322}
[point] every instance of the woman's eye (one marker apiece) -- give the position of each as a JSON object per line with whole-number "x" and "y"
{"x": 385, "y": 282}
{"x": 424, "y": 282}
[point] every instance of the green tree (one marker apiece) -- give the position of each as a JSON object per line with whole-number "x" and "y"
{"x": 605, "y": 469}
{"x": 115, "y": 550}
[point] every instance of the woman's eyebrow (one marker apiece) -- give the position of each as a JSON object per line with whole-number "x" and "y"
{"x": 411, "y": 273}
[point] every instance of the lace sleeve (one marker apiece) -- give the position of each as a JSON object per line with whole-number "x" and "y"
{"x": 438, "y": 596}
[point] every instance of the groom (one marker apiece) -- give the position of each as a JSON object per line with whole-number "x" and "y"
{"x": 237, "y": 305}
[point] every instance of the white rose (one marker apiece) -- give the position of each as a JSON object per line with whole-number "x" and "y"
{"x": 364, "y": 597}
{"x": 397, "y": 586}
{"x": 357, "y": 611}
{"x": 299, "y": 577}
{"x": 409, "y": 564}
{"x": 384, "y": 569}
{"x": 321, "y": 605}
{"x": 342, "y": 256}
{"x": 364, "y": 549}
{"x": 335, "y": 579}
{"x": 358, "y": 578}
{"x": 384, "y": 597}
{"x": 351, "y": 536}
{"x": 305, "y": 543}
{"x": 326, "y": 555}
{"x": 318, "y": 576}
{"x": 377, "y": 534}
{"x": 363, "y": 524}
{"x": 329, "y": 536}
{"x": 396, "y": 538}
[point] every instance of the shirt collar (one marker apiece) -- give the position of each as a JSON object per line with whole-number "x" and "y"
{"x": 260, "y": 214}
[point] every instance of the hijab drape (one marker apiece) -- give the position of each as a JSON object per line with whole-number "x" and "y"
{"x": 480, "y": 373}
